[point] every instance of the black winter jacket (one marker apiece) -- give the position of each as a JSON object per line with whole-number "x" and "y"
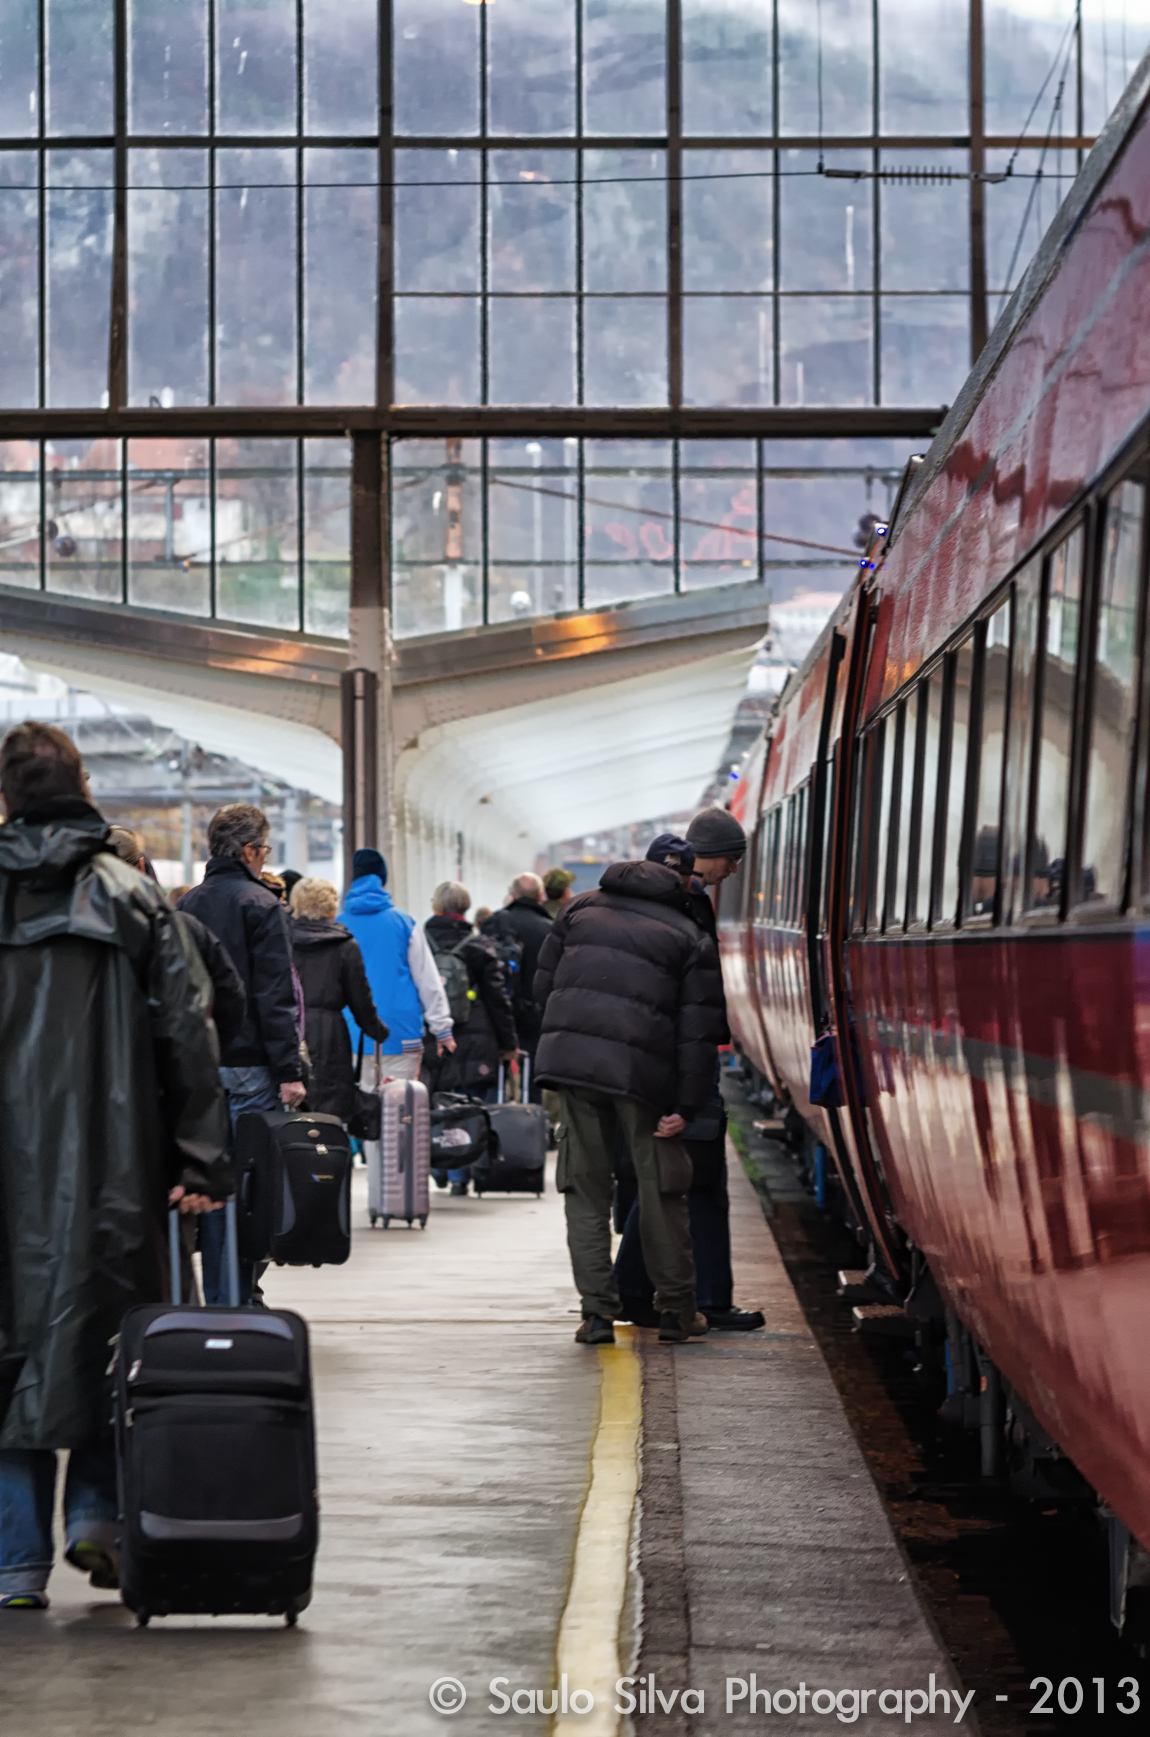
{"x": 525, "y": 921}
{"x": 228, "y": 998}
{"x": 630, "y": 993}
{"x": 490, "y": 1029}
{"x": 331, "y": 970}
{"x": 109, "y": 1094}
{"x": 253, "y": 926}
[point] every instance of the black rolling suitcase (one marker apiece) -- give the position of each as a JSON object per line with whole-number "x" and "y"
{"x": 215, "y": 1449}
{"x": 517, "y": 1165}
{"x": 295, "y": 1188}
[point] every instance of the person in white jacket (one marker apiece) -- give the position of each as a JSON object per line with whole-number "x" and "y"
{"x": 401, "y": 969}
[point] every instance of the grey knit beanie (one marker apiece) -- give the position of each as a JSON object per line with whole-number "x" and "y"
{"x": 714, "y": 832}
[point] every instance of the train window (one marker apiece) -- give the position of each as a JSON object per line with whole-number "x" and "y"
{"x": 731, "y": 894}
{"x": 1055, "y": 704}
{"x": 908, "y": 717}
{"x": 930, "y": 732}
{"x": 828, "y": 837}
{"x": 788, "y": 862}
{"x": 955, "y": 798}
{"x": 861, "y": 779}
{"x": 1020, "y": 736}
{"x": 801, "y": 807}
{"x": 884, "y": 740}
{"x": 1112, "y": 705}
{"x": 772, "y": 871}
{"x": 779, "y": 864}
{"x": 984, "y": 868}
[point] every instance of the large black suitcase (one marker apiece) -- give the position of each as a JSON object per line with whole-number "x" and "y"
{"x": 295, "y": 1187}
{"x": 215, "y": 1449}
{"x": 517, "y": 1162}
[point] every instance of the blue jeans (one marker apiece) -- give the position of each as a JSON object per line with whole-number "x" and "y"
{"x": 247, "y": 1089}
{"x": 27, "y": 1498}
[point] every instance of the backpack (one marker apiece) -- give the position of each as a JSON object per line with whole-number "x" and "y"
{"x": 510, "y": 954}
{"x": 456, "y": 984}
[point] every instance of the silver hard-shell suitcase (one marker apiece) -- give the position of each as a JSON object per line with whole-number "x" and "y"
{"x": 398, "y": 1164}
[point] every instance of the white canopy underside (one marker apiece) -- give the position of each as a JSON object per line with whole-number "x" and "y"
{"x": 506, "y": 782}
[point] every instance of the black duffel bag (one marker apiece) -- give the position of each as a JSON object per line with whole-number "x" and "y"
{"x": 460, "y": 1131}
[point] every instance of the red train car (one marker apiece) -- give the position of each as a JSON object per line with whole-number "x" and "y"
{"x": 950, "y": 862}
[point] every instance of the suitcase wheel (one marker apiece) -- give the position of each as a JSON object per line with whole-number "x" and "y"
{"x": 143, "y": 1618}
{"x": 374, "y": 1217}
{"x": 291, "y": 1616}
{"x": 423, "y": 1222}
{"x": 317, "y": 1263}
{"x": 386, "y": 1220}
{"x": 409, "y": 1224}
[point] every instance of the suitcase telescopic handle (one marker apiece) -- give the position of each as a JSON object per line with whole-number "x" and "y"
{"x": 231, "y": 1246}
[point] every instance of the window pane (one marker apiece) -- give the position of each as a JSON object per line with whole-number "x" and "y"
{"x": 1023, "y": 39}
{"x": 437, "y": 535}
{"x": 83, "y": 532}
{"x": 79, "y": 277}
{"x": 625, "y": 350}
{"x": 327, "y": 536}
{"x": 956, "y": 783}
{"x": 256, "y": 66}
{"x": 847, "y": 48}
{"x": 824, "y": 225}
{"x": 1020, "y": 737}
{"x": 624, "y": 66}
{"x": 256, "y": 277}
{"x": 624, "y": 222}
{"x": 995, "y": 675}
{"x": 168, "y": 66}
{"x": 79, "y": 69}
{"x": 718, "y": 520}
{"x": 885, "y": 742}
{"x": 925, "y": 348}
{"x": 930, "y": 722}
{"x": 169, "y": 525}
{"x": 727, "y": 66}
{"x": 924, "y": 60}
{"x": 531, "y": 66}
{"x": 532, "y": 221}
{"x": 20, "y": 513}
{"x": 532, "y": 527}
{"x": 19, "y": 65}
{"x": 629, "y": 544}
{"x": 436, "y": 67}
{"x": 437, "y": 221}
{"x": 925, "y": 226}
{"x": 341, "y": 65}
{"x": 19, "y": 281}
{"x": 1019, "y": 211}
{"x": 825, "y": 350}
{"x": 437, "y": 350}
{"x": 531, "y": 350}
{"x": 1056, "y": 725}
{"x": 1113, "y": 704}
{"x": 257, "y": 533}
{"x": 167, "y": 277}
{"x": 341, "y": 274}
{"x": 909, "y": 712}
{"x": 727, "y": 222}
{"x": 1113, "y": 41}
{"x": 728, "y": 350}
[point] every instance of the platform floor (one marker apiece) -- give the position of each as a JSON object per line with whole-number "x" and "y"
{"x": 458, "y": 1428}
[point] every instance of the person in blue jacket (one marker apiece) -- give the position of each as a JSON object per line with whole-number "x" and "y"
{"x": 401, "y": 969}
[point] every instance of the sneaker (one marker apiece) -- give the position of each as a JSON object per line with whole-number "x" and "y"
{"x": 459, "y": 1189}
{"x": 100, "y": 1562}
{"x": 674, "y": 1329}
{"x": 735, "y": 1320}
{"x": 595, "y": 1330}
{"x": 23, "y": 1601}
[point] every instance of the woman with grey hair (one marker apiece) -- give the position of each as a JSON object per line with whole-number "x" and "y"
{"x": 332, "y": 973}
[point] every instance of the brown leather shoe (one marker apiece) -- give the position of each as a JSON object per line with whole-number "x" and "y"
{"x": 595, "y": 1330}
{"x": 675, "y": 1329}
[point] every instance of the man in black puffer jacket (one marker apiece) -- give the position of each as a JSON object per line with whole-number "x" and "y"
{"x": 632, "y": 1015}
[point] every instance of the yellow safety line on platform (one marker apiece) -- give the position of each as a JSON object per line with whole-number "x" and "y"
{"x": 588, "y": 1648}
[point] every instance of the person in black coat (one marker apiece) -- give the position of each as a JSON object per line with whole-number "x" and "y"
{"x": 489, "y": 1033}
{"x": 332, "y": 973}
{"x": 524, "y": 922}
{"x": 632, "y": 1013}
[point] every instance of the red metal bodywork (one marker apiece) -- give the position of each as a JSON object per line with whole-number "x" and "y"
{"x": 1005, "y": 1071}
